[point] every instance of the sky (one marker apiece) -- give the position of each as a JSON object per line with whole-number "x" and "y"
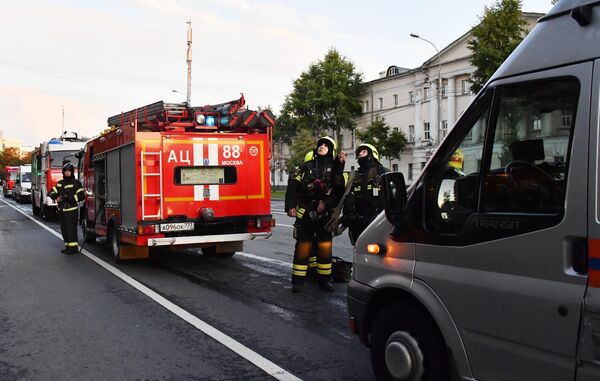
{"x": 98, "y": 58}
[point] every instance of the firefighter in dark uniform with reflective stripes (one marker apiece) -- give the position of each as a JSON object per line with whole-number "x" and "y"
{"x": 364, "y": 202}
{"x": 311, "y": 194}
{"x": 67, "y": 193}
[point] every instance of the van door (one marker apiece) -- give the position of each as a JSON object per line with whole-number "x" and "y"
{"x": 588, "y": 353}
{"x": 504, "y": 219}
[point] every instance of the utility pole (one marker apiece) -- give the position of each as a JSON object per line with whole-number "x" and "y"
{"x": 189, "y": 63}
{"x": 439, "y": 87}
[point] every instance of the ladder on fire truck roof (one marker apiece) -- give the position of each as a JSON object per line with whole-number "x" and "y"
{"x": 145, "y": 195}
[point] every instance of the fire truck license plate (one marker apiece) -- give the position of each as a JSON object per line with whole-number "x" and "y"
{"x": 176, "y": 227}
{"x": 202, "y": 175}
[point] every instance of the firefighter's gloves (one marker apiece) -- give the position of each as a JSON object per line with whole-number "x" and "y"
{"x": 291, "y": 212}
{"x": 321, "y": 207}
{"x": 342, "y": 157}
{"x": 59, "y": 199}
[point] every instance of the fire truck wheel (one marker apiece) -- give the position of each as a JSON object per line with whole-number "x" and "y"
{"x": 88, "y": 234}
{"x": 115, "y": 245}
{"x": 48, "y": 213}
{"x": 34, "y": 209}
{"x": 406, "y": 345}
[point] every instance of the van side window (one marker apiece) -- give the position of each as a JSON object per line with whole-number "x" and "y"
{"x": 452, "y": 191}
{"x": 517, "y": 165}
{"x": 529, "y": 159}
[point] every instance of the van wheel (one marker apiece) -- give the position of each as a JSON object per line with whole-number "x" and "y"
{"x": 406, "y": 345}
{"x": 115, "y": 245}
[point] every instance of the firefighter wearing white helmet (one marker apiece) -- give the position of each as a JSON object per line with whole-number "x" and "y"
{"x": 311, "y": 194}
{"x": 364, "y": 202}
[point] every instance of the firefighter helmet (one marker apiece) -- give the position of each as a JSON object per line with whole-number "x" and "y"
{"x": 369, "y": 147}
{"x": 457, "y": 160}
{"x": 67, "y": 166}
{"x": 329, "y": 142}
{"x": 309, "y": 156}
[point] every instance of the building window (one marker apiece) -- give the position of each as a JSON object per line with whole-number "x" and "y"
{"x": 411, "y": 133}
{"x": 466, "y": 86}
{"x": 444, "y": 90}
{"x": 380, "y": 100}
{"x": 366, "y": 104}
{"x": 280, "y": 175}
{"x": 395, "y": 99}
{"x": 536, "y": 124}
{"x": 394, "y": 167}
{"x": 425, "y": 94}
{"x": 444, "y": 128}
{"x": 410, "y": 171}
{"x": 411, "y": 97}
{"x": 426, "y": 131}
{"x": 395, "y": 129}
{"x": 352, "y": 168}
{"x": 566, "y": 118}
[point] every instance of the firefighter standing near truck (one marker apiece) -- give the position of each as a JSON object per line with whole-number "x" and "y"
{"x": 364, "y": 202}
{"x": 67, "y": 193}
{"x": 311, "y": 194}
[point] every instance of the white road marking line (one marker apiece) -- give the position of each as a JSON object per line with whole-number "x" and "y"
{"x": 287, "y": 226}
{"x": 277, "y": 212}
{"x": 269, "y": 367}
{"x": 264, "y": 259}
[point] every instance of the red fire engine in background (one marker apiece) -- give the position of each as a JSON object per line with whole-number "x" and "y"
{"x": 46, "y": 170}
{"x": 168, "y": 174}
{"x": 10, "y": 175}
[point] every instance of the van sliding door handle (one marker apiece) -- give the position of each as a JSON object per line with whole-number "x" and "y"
{"x": 576, "y": 254}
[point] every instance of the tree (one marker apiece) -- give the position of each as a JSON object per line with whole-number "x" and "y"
{"x": 10, "y": 156}
{"x": 301, "y": 144}
{"x": 325, "y": 98}
{"x": 388, "y": 144}
{"x": 500, "y": 30}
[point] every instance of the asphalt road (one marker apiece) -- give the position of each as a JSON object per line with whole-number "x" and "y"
{"x": 66, "y": 317}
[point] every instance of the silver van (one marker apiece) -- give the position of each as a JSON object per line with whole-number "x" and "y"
{"x": 488, "y": 266}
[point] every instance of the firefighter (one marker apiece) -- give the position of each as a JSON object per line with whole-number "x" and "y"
{"x": 67, "y": 193}
{"x": 364, "y": 202}
{"x": 310, "y": 196}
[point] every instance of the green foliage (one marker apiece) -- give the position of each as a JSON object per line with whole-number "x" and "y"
{"x": 325, "y": 97}
{"x": 302, "y": 142}
{"x": 388, "y": 144}
{"x": 500, "y": 30}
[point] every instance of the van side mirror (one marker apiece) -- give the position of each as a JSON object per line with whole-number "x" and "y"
{"x": 394, "y": 195}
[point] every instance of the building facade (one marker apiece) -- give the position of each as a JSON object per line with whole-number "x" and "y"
{"x": 409, "y": 100}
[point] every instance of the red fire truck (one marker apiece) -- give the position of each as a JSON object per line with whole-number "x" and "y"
{"x": 10, "y": 175}
{"x": 168, "y": 174}
{"x": 46, "y": 170}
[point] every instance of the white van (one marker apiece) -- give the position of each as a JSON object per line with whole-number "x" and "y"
{"x": 22, "y": 190}
{"x": 490, "y": 270}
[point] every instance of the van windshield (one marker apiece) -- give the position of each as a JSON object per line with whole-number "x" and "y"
{"x": 12, "y": 175}
{"x": 57, "y": 158}
{"x": 26, "y": 177}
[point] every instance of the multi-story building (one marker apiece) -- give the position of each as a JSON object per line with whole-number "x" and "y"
{"x": 408, "y": 100}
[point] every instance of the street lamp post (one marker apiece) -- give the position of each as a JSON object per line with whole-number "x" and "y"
{"x": 439, "y": 92}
